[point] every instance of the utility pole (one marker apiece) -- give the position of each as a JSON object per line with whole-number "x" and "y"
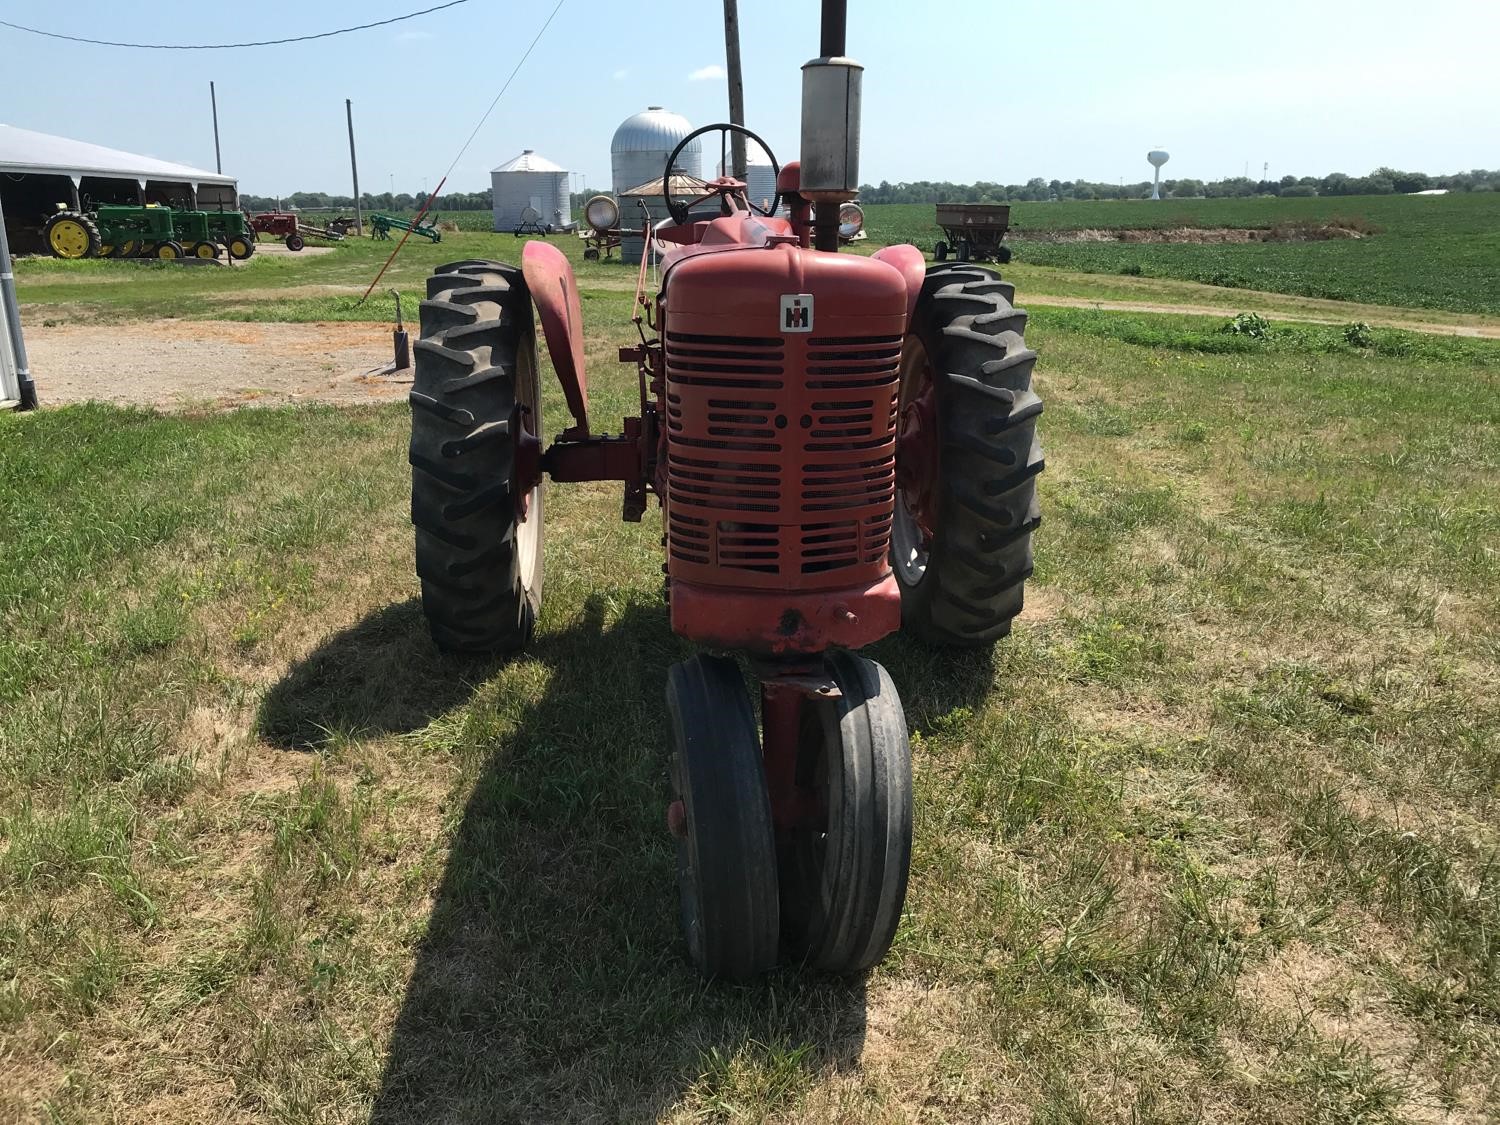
{"x": 213, "y": 99}
{"x": 359, "y": 222}
{"x": 736, "y": 86}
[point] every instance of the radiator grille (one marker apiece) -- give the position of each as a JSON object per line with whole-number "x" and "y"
{"x": 780, "y": 457}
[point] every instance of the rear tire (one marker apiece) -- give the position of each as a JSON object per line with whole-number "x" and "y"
{"x": 72, "y": 235}
{"x": 475, "y": 392}
{"x": 726, "y": 847}
{"x": 963, "y": 584}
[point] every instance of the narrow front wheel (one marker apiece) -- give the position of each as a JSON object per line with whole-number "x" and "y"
{"x": 843, "y": 865}
{"x": 721, "y": 816}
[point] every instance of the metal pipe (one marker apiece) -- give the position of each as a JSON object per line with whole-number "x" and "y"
{"x": 13, "y": 322}
{"x": 835, "y": 25}
{"x": 831, "y": 45}
{"x": 826, "y": 225}
{"x": 359, "y": 221}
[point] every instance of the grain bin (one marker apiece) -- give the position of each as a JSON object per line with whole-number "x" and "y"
{"x": 530, "y": 182}
{"x": 637, "y": 156}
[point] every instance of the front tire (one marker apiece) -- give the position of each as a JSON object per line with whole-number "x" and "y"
{"x": 209, "y": 250}
{"x": 475, "y": 404}
{"x": 721, "y": 816}
{"x": 167, "y": 251}
{"x": 241, "y": 247}
{"x": 294, "y": 242}
{"x": 843, "y": 872}
{"x": 966, "y": 460}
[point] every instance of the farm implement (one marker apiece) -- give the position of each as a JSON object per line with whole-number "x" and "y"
{"x": 382, "y": 225}
{"x": 152, "y": 231}
{"x": 842, "y": 446}
{"x": 288, "y": 227}
{"x": 974, "y": 232}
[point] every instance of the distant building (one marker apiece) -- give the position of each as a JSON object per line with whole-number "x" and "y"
{"x": 531, "y": 188}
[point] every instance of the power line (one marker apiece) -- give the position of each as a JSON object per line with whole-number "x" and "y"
{"x": 229, "y": 46}
{"x": 514, "y": 71}
{"x": 427, "y": 203}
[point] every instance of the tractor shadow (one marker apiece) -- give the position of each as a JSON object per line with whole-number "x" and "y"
{"x": 380, "y": 677}
{"x": 550, "y": 983}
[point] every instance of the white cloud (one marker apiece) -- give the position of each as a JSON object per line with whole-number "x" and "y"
{"x": 704, "y": 73}
{"x": 620, "y": 75}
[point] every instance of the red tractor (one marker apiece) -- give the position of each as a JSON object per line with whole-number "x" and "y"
{"x": 279, "y": 224}
{"x": 842, "y": 446}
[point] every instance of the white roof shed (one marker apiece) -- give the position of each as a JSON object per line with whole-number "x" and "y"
{"x": 38, "y": 171}
{"x": 23, "y": 151}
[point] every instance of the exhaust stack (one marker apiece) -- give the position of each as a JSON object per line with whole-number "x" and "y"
{"x": 830, "y": 127}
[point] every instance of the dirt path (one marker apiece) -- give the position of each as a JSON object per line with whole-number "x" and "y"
{"x": 193, "y": 364}
{"x": 1478, "y": 331}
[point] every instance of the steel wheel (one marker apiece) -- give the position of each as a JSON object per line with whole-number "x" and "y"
{"x": 721, "y": 817}
{"x": 843, "y": 870}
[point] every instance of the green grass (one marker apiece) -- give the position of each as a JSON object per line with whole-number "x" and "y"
{"x": 1430, "y": 253}
{"x": 1210, "y": 836}
{"x": 1439, "y": 252}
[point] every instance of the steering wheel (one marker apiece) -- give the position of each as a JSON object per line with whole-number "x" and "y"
{"x": 679, "y": 211}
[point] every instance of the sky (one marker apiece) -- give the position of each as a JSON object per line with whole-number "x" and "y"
{"x": 958, "y": 90}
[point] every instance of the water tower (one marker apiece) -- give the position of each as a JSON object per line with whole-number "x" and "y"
{"x": 1158, "y": 157}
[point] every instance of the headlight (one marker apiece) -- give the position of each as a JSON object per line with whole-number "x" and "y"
{"x": 602, "y": 213}
{"x": 851, "y": 220}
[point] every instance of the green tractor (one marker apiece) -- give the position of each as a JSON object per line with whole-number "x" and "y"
{"x": 194, "y": 233}
{"x": 112, "y": 231}
{"x": 232, "y": 231}
{"x": 117, "y": 230}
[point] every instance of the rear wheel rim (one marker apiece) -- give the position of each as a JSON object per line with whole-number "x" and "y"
{"x": 69, "y": 239}
{"x": 529, "y": 529}
{"x": 917, "y": 466}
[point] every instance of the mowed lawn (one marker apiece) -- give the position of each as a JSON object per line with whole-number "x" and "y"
{"x": 1212, "y": 836}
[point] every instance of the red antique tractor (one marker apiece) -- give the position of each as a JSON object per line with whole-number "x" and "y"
{"x": 842, "y": 446}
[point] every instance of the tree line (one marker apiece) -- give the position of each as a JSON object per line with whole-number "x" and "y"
{"x": 369, "y": 201}
{"x": 386, "y": 201}
{"x": 1382, "y": 181}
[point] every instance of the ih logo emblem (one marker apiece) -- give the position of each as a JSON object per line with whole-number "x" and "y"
{"x": 796, "y": 312}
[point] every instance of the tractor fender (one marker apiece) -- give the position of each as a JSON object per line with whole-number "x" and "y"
{"x": 909, "y": 262}
{"x": 555, "y": 294}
